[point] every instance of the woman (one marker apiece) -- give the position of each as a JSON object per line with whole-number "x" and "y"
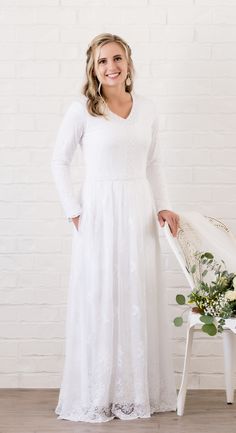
{"x": 117, "y": 361}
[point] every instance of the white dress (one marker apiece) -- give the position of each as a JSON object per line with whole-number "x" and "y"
{"x": 117, "y": 353}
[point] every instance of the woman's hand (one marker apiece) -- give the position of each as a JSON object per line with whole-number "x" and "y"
{"x": 76, "y": 221}
{"x": 171, "y": 218}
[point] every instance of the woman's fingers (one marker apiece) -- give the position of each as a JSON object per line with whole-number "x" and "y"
{"x": 174, "y": 224}
{"x": 76, "y": 222}
{"x": 171, "y": 218}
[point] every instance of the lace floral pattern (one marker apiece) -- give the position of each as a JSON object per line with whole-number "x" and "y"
{"x": 124, "y": 411}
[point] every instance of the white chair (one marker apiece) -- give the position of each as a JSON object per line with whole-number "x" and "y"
{"x": 184, "y": 246}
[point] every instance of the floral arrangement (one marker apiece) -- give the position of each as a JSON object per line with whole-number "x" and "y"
{"x": 215, "y": 301}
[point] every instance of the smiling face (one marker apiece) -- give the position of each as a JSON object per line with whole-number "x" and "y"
{"x": 111, "y": 66}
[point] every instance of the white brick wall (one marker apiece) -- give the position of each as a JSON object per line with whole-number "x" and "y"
{"x": 184, "y": 52}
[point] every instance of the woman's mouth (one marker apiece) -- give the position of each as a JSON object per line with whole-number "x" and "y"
{"x": 113, "y": 76}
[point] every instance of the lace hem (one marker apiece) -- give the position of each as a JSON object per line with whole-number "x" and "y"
{"x": 114, "y": 410}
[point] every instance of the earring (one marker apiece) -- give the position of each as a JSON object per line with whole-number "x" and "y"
{"x": 104, "y": 104}
{"x": 128, "y": 80}
{"x": 99, "y": 88}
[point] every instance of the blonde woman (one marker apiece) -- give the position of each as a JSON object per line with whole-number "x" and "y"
{"x": 117, "y": 356}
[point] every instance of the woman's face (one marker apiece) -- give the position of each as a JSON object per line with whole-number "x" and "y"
{"x": 111, "y": 66}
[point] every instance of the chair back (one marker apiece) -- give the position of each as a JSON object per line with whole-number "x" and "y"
{"x": 191, "y": 238}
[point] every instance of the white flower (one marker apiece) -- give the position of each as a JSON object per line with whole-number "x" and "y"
{"x": 230, "y": 295}
{"x": 234, "y": 283}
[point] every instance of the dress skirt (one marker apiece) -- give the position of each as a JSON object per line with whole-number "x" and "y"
{"x": 118, "y": 361}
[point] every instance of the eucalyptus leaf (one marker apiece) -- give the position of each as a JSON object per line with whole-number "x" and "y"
{"x": 210, "y": 329}
{"x": 193, "y": 269}
{"x": 180, "y": 299}
{"x": 206, "y": 319}
{"x": 209, "y": 255}
{"x": 178, "y": 321}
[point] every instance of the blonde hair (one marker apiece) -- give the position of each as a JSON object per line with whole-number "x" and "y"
{"x": 91, "y": 87}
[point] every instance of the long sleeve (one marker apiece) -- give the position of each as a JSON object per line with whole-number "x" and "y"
{"x": 155, "y": 173}
{"x": 68, "y": 137}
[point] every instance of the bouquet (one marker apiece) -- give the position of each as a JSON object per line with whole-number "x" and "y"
{"x": 214, "y": 300}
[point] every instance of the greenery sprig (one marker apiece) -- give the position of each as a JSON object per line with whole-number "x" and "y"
{"x": 214, "y": 301}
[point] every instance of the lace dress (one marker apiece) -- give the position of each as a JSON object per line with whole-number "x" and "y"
{"x": 117, "y": 351}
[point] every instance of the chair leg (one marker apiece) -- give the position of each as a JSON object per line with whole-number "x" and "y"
{"x": 183, "y": 386}
{"x": 228, "y": 342}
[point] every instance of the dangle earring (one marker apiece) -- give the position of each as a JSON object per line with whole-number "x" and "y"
{"x": 128, "y": 80}
{"x": 104, "y": 104}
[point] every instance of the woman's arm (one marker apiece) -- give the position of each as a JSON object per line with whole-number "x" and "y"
{"x": 68, "y": 137}
{"x": 155, "y": 173}
{"x": 156, "y": 177}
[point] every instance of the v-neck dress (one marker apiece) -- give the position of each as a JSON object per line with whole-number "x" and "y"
{"x": 118, "y": 360}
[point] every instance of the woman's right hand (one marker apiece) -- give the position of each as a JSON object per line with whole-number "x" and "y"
{"x": 76, "y": 222}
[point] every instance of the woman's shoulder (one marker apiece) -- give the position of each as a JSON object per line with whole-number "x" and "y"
{"x": 77, "y": 106}
{"x": 79, "y": 102}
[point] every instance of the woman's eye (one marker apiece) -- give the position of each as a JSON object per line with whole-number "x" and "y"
{"x": 104, "y": 60}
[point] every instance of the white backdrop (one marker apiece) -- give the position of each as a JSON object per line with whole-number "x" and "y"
{"x": 184, "y": 53}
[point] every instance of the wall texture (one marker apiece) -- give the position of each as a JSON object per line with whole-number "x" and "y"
{"x": 184, "y": 53}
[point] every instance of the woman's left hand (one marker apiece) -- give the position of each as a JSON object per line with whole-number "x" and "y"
{"x": 171, "y": 218}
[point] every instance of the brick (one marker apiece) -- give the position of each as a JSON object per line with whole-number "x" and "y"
{"x": 9, "y": 349}
{"x": 186, "y": 51}
{"x": 191, "y": 87}
{"x": 216, "y": 34}
{"x": 224, "y": 15}
{"x": 171, "y": 33}
{"x": 189, "y": 15}
{"x": 33, "y": 292}
{"x": 8, "y": 34}
{"x": 38, "y": 69}
{"x": 214, "y": 2}
{"x": 214, "y": 175}
{"x": 171, "y": 2}
{"x": 16, "y": 51}
{"x": 16, "y": 15}
{"x": 24, "y": 331}
{"x": 213, "y": 139}
{"x": 39, "y": 380}
{"x": 61, "y": 16}
{"x": 8, "y": 380}
{"x": 222, "y": 87}
{"x": 29, "y": 3}
{"x": 53, "y": 51}
{"x": 224, "y": 51}
{"x": 41, "y": 348}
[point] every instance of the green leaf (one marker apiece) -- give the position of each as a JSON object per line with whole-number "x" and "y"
{"x": 193, "y": 269}
{"x": 204, "y": 272}
{"x": 178, "y": 321}
{"x": 209, "y": 255}
{"x": 207, "y": 319}
{"x": 180, "y": 299}
{"x": 210, "y": 329}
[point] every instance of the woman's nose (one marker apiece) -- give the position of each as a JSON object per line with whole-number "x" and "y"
{"x": 111, "y": 65}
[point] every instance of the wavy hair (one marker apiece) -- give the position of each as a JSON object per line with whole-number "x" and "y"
{"x": 91, "y": 88}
